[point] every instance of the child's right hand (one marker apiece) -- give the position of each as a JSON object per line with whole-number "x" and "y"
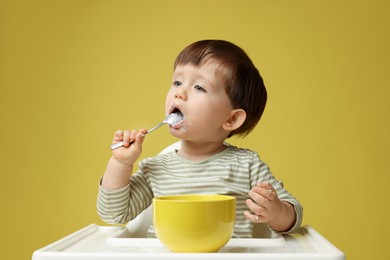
{"x": 132, "y": 145}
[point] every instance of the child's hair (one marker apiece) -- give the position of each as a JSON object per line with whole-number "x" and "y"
{"x": 244, "y": 85}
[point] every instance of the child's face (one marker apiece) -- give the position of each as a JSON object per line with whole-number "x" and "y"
{"x": 199, "y": 93}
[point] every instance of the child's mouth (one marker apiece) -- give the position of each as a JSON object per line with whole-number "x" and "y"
{"x": 179, "y": 117}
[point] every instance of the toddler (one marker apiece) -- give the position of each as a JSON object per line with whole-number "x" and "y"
{"x": 220, "y": 93}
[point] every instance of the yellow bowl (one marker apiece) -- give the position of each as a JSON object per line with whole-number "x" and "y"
{"x": 194, "y": 223}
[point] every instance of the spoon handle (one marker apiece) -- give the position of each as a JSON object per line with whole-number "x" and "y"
{"x": 120, "y": 144}
{"x": 154, "y": 128}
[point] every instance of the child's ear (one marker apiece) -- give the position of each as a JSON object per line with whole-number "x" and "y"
{"x": 235, "y": 120}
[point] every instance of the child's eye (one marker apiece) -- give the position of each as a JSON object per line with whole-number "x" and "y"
{"x": 177, "y": 83}
{"x": 199, "y": 88}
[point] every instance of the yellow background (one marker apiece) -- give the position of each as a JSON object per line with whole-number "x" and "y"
{"x": 74, "y": 71}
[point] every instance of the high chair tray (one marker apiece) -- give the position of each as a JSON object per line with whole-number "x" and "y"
{"x": 110, "y": 242}
{"x": 123, "y": 238}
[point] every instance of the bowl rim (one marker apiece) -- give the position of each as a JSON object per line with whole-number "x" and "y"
{"x": 194, "y": 198}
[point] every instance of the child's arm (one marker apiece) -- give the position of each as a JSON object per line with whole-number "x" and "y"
{"x": 268, "y": 208}
{"x": 120, "y": 165}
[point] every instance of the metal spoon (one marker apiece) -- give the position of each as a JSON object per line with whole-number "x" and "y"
{"x": 171, "y": 119}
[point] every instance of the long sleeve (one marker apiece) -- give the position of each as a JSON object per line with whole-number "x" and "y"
{"x": 122, "y": 205}
{"x": 259, "y": 172}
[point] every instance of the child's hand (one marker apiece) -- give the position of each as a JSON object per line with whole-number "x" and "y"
{"x": 120, "y": 165}
{"x": 265, "y": 204}
{"x": 132, "y": 145}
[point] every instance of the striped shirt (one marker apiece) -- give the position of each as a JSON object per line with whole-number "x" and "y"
{"x": 234, "y": 171}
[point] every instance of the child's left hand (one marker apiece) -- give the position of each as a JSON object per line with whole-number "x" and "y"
{"x": 265, "y": 205}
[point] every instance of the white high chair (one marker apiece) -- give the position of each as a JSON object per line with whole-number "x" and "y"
{"x": 138, "y": 227}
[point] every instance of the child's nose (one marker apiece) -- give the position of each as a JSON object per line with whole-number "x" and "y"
{"x": 181, "y": 94}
